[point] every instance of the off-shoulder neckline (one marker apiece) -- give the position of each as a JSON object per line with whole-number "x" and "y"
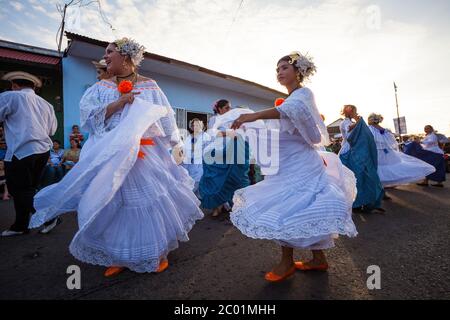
{"x": 298, "y": 90}
{"x": 137, "y": 83}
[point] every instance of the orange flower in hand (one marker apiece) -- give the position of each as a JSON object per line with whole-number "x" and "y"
{"x": 278, "y": 102}
{"x": 125, "y": 86}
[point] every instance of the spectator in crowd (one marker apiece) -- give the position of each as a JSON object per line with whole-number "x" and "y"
{"x": 72, "y": 155}
{"x": 336, "y": 146}
{"x": 76, "y": 134}
{"x": 54, "y": 171}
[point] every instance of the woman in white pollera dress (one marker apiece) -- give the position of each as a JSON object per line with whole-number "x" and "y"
{"x": 134, "y": 203}
{"x": 194, "y": 146}
{"x": 301, "y": 206}
{"x": 395, "y": 167}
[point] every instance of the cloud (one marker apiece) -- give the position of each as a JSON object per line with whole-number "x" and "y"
{"x": 41, "y": 36}
{"x": 49, "y": 10}
{"x": 359, "y": 48}
{"x": 16, "y": 5}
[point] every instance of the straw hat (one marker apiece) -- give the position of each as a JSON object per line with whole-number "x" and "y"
{"x": 18, "y": 75}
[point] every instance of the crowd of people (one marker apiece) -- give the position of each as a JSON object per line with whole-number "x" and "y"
{"x": 60, "y": 161}
{"x": 139, "y": 185}
{"x": 373, "y": 153}
{"x": 29, "y": 159}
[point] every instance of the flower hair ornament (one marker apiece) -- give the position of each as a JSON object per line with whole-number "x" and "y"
{"x": 304, "y": 64}
{"x": 375, "y": 118}
{"x": 129, "y": 47}
{"x": 214, "y": 106}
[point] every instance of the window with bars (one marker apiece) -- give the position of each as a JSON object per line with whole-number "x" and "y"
{"x": 180, "y": 114}
{"x": 183, "y": 116}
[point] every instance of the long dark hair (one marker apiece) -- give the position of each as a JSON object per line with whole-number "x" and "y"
{"x": 288, "y": 59}
{"x": 219, "y": 105}
{"x": 77, "y": 142}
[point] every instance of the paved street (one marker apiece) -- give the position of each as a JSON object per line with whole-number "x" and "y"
{"x": 410, "y": 243}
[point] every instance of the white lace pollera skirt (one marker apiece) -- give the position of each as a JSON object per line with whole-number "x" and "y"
{"x": 131, "y": 211}
{"x": 305, "y": 205}
{"x": 396, "y": 168}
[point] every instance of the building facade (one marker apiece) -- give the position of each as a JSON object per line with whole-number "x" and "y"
{"x": 43, "y": 63}
{"x": 191, "y": 89}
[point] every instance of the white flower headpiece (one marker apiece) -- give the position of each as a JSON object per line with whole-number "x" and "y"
{"x": 304, "y": 63}
{"x": 191, "y": 123}
{"x": 375, "y": 118}
{"x": 129, "y": 47}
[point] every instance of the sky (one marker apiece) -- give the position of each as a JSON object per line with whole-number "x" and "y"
{"x": 359, "y": 47}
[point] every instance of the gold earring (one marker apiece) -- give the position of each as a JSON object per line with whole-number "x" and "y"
{"x": 299, "y": 80}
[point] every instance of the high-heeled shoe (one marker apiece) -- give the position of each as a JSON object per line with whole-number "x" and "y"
{"x": 299, "y": 265}
{"x": 113, "y": 271}
{"x": 273, "y": 277}
{"x": 163, "y": 265}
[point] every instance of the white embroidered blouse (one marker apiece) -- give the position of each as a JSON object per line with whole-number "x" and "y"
{"x": 96, "y": 98}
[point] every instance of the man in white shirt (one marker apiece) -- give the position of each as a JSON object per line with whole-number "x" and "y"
{"x": 29, "y": 121}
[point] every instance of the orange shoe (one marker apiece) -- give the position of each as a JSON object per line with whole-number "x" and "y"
{"x": 113, "y": 271}
{"x": 273, "y": 277}
{"x": 305, "y": 267}
{"x": 163, "y": 265}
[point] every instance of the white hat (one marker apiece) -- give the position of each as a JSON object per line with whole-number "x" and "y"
{"x": 17, "y": 75}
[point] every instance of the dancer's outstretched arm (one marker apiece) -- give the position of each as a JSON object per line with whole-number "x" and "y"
{"x": 260, "y": 115}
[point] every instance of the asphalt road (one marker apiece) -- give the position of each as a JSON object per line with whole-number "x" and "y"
{"x": 410, "y": 244}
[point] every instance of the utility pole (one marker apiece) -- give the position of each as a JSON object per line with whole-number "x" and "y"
{"x": 63, "y": 24}
{"x": 398, "y": 114}
{"x": 62, "y": 28}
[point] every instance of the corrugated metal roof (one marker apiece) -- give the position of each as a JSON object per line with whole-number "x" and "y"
{"x": 27, "y": 56}
{"x": 74, "y": 36}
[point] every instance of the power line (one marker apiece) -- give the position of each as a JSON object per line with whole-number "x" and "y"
{"x": 234, "y": 19}
{"x": 237, "y": 11}
{"x": 105, "y": 19}
{"x": 62, "y": 10}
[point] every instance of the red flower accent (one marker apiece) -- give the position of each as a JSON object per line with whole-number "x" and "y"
{"x": 278, "y": 102}
{"x": 125, "y": 86}
{"x": 141, "y": 154}
{"x": 147, "y": 142}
